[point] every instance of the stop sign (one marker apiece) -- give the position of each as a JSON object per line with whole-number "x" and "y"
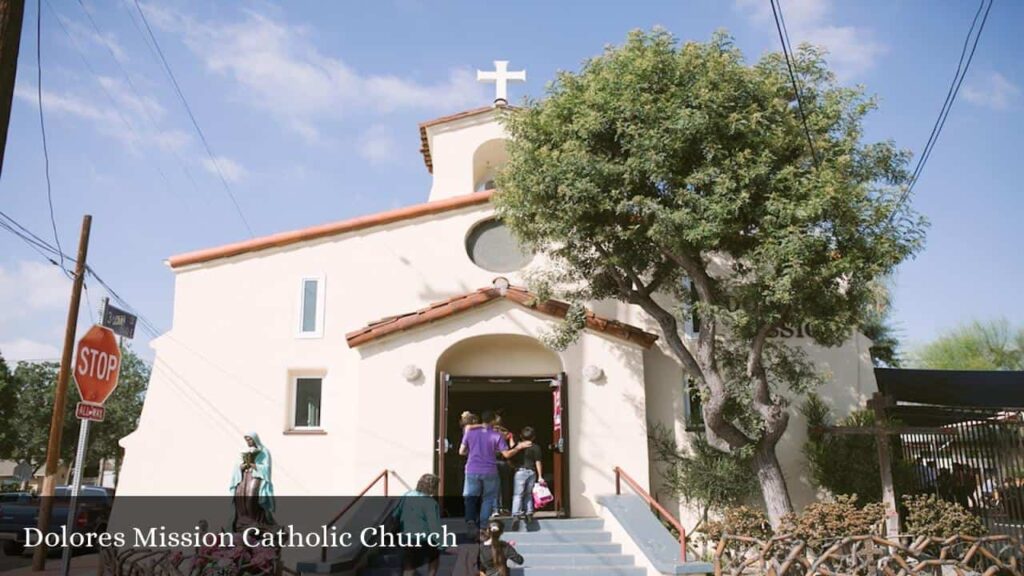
{"x": 97, "y": 365}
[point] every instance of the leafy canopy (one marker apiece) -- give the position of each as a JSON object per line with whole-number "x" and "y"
{"x": 656, "y": 154}
{"x": 26, "y": 404}
{"x": 993, "y": 345}
{"x": 680, "y": 179}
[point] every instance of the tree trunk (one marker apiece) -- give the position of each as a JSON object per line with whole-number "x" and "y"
{"x": 12, "y": 13}
{"x": 773, "y": 484}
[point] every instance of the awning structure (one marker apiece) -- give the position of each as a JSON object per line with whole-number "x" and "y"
{"x": 967, "y": 388}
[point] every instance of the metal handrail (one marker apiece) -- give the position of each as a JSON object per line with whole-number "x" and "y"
{"x": 377, "y": 478}
{"x": 620, "y": 475}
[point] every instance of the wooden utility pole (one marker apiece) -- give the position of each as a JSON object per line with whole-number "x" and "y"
{"x": 60, "y": 397}
{"x": 879, "y": 402}
{"x": 12, "y": 12}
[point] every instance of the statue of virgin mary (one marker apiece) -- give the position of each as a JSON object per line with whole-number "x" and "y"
{"x": 251, "y": 486}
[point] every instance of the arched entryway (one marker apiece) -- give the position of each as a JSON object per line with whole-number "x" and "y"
{"x": 516, "y": 376}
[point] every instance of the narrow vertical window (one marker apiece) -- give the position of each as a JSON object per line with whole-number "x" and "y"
{"x": 307, "y": 402}
{"x": 309, "y": 290}
{"x": 692, "y": 324}
{"x": 311, "y": 307}
{"x": 692, "y": 406}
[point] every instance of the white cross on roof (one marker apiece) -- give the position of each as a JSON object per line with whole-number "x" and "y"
{"x": 501, "y": 77}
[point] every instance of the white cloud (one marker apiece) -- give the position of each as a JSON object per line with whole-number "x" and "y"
{"x": 280, "y": 71}
{"x": 992, "y": 91}
{"x": 87, "y": 34}
{"x": 33, "y": 296}
{"x": 24, "y": 349}
{"x": 31, "y": 287}
{"x": 852, "y": 50}
{"x": 377, "y": 145}
{"x": 66, "y": 104}
{"x": 127, "y": 124}
{"x": 232, "y": 171}
{"x": 172, "y": 139}
{"x": 138, "y": 105}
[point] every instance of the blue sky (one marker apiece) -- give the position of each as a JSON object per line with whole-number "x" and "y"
{"x": 311, "y": 110}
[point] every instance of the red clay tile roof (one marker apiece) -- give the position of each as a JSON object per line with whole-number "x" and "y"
{"x": 323, "y": 230}
{"x": 425, "y": 142}
{"x": 521, "y": 296}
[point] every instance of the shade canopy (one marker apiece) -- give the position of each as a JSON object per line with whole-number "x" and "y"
{"x": 968, "y": 388}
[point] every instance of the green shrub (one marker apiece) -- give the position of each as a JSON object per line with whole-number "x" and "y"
{"x": 834, "y": 519}
{"x": 848, "y": 463}
{"x": 739, "y": 521}
{"x": 702, "y": 475}
{"x": 929, "y": 515}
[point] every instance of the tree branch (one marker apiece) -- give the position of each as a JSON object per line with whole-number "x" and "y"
{"x": 705, "y": 288}
{"x": 773, "y": 415}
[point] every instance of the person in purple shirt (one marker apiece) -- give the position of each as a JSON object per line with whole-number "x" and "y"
{"x": 481, "y": 446}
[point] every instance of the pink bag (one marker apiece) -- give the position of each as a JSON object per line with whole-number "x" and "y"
{"x": 541, "y": 496}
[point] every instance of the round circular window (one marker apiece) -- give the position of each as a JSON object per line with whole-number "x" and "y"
{"x": 492, "y": 246}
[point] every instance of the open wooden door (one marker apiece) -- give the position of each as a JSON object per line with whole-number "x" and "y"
{"x": 560, "y": 444}
{"x": 443, "y": 382}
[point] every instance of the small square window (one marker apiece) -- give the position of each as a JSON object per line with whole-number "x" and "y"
{"x": 307, "y": 394}
{"x": 311, "y": 307}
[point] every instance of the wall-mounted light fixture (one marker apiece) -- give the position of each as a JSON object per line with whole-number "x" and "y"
{"x": 592, "y": 373}
{"x": 411, "y": 373}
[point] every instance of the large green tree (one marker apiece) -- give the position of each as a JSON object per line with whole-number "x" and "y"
{"x": 992, "y": 345}
{"x": 679, "y": 178}
{"x": 26, "y": 405}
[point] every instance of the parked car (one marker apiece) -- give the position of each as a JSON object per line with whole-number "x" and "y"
{"x": 22, "y": 511}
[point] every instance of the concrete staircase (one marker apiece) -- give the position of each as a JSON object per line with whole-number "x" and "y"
{"x": 578, "y": 546}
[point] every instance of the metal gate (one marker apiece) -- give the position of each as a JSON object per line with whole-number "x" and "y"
{"x": 971, "y": 456}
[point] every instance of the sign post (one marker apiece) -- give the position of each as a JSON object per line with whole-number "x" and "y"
{"x": 97, "y": 367}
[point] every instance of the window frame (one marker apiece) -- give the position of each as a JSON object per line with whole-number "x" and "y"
{"x": 321, "y": 289}
{"x": 293, "y": 399}
{"x": 473, "y": 232}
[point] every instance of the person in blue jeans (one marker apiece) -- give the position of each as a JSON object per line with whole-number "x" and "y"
{"x": 481, "y": 447}
{"x": 528, "y": 471}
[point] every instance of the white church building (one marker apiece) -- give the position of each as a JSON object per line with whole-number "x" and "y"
{"x": 352, "y": 347}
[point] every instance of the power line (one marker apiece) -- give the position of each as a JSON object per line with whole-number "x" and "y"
{"x": 951, "y": 94}
{"x": 42, "y": 127}
{"x": 31, "y": 244}
{"x": 195, "y": 124}
{"x": 135, "y": 90}
{"x": 30, "y": 238}
{"x": 780, "y": 25}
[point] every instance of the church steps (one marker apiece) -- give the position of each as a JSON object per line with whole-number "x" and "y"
{"x": 550, "y": 547}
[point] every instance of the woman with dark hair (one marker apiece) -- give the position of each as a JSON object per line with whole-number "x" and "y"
{"x": 529, "y": 470}
{"x": 419, "y": 513}
{"x": 494, "y": 552}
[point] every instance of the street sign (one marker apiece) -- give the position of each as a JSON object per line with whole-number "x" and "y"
{"x": 120, "y": 321}
{"x": 93, "y": 412}
{"x": 97, "y": 365}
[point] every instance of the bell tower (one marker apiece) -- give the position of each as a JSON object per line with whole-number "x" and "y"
{"x": 464, "y": 151}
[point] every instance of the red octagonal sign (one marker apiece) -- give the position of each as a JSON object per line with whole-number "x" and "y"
{"x": 97, "y": 365}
